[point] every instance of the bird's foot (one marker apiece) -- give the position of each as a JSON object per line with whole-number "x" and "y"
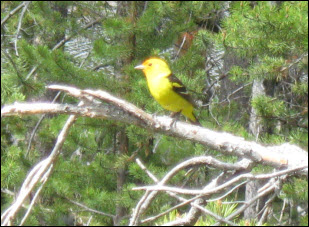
{"x": 175, "y": 116}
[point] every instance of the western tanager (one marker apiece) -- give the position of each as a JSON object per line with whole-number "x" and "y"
{"x": 166, "y": 88}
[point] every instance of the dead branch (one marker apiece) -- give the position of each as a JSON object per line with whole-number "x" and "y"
{"x": 290, "y": 156}
{"x": 187, "y": 220}
{"x": 12, "y": 13}
{"x": 212, "y": 188}
{"x": 285, "y": 155}
{"x": 90, "y": 209}
{"x": 63, "y": 41}
{"x": 221, "y": 187}
{"x": 39, "y": 173}
{"x": 37, "y": 126}
{"x": 19, "y": 26}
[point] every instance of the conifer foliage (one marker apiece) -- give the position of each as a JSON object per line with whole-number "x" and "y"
{"x": 246, "y": 64}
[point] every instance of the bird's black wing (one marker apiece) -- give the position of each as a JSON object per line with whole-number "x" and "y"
{"x": 180, "y": 89}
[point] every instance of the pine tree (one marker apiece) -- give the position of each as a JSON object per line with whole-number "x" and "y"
{"x": 218, "y": 50}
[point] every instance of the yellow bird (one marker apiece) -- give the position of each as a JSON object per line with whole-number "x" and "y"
{"x": 167, "y": 89}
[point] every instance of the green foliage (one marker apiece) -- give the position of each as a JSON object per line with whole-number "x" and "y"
{"x": 9, "y": 91}
{"x": 238, "y": 74}
{"x": 268, "y": 69}
{"x": 271, "y": 39}
{"x": 117, "y": 27}
{"x": 108, "y": 51}
{"x": 267, "y": 27}
{"x": 12, "y": 167}
{"x": 300, "y": 89}
{"x": 299, "y": 136}
{"x": 268, "y": 107}
{"x": 171, "y": 216}
{"x": 294, "y": 190}
{"x": 219, "y": 208}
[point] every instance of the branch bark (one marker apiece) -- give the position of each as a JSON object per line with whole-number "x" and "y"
{"x": 113, "y": 108}
{"x": 289, "y": 156}
{"x": 39, "y": 173}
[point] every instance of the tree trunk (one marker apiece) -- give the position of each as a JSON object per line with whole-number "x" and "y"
{"x": 121, "y": 149}
{"x": 255, "y": 127}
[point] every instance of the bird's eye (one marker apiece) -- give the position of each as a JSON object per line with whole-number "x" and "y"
{"x": 150, "y": 64}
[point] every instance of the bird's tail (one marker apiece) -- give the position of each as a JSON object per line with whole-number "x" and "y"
{"x": 196, "y": 122}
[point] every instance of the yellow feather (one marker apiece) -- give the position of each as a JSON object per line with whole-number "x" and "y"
{"x": 158, "y": 76}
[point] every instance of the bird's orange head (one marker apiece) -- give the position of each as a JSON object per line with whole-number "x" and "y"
{"x": 154, "y": 66}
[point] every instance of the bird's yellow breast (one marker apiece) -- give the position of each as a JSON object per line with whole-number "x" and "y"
{"x": 161, "y": 89}
{"x": 164, "y": 90}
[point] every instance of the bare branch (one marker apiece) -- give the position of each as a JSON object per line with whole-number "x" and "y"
{"x": 266, "y": 208}
{"x": 143, "y": 167}
{"x": 223, "y": 186}
{"x": 227, "y": 193}
{"x": 39, "y": 173}
{"x": 117, "y": 109}
{"x": 19, "y": 25}
{"x": 149, "y": 196}
{"x": 35, "y": 197}
{"x": 37, "y": 126}
{"x": 248, "y": 203}
{"x": 62, "y": 42}
{"x": 12, "y": 13}
{"x": 183, "y": 202}
{"x": 121, "y": 110}
{"x": 90, "y": 209}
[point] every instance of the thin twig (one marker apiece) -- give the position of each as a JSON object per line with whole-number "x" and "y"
{"x": 37, "y": 174}
{"x": 183, "y": 201}
{"x": 227, "y": 193}
{"x": 265, "y": 209}
{"x": 180, "y": 48}
{"x": 90, "y": 209}
{"x": 63, "y": 41}
{"x": 246, "y": 205}
{"x": 19, "y": 25}
{"x": 37, "y": 126}
{"x": 282, "y": 211}
{"x": 223, "y": 186}
{"x": 36, "y": 196}
{"x": 11, "y": 13}
{"x": 284, "y": 155}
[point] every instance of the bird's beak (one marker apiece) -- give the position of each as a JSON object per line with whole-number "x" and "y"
{"x": 139, "y": 67}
